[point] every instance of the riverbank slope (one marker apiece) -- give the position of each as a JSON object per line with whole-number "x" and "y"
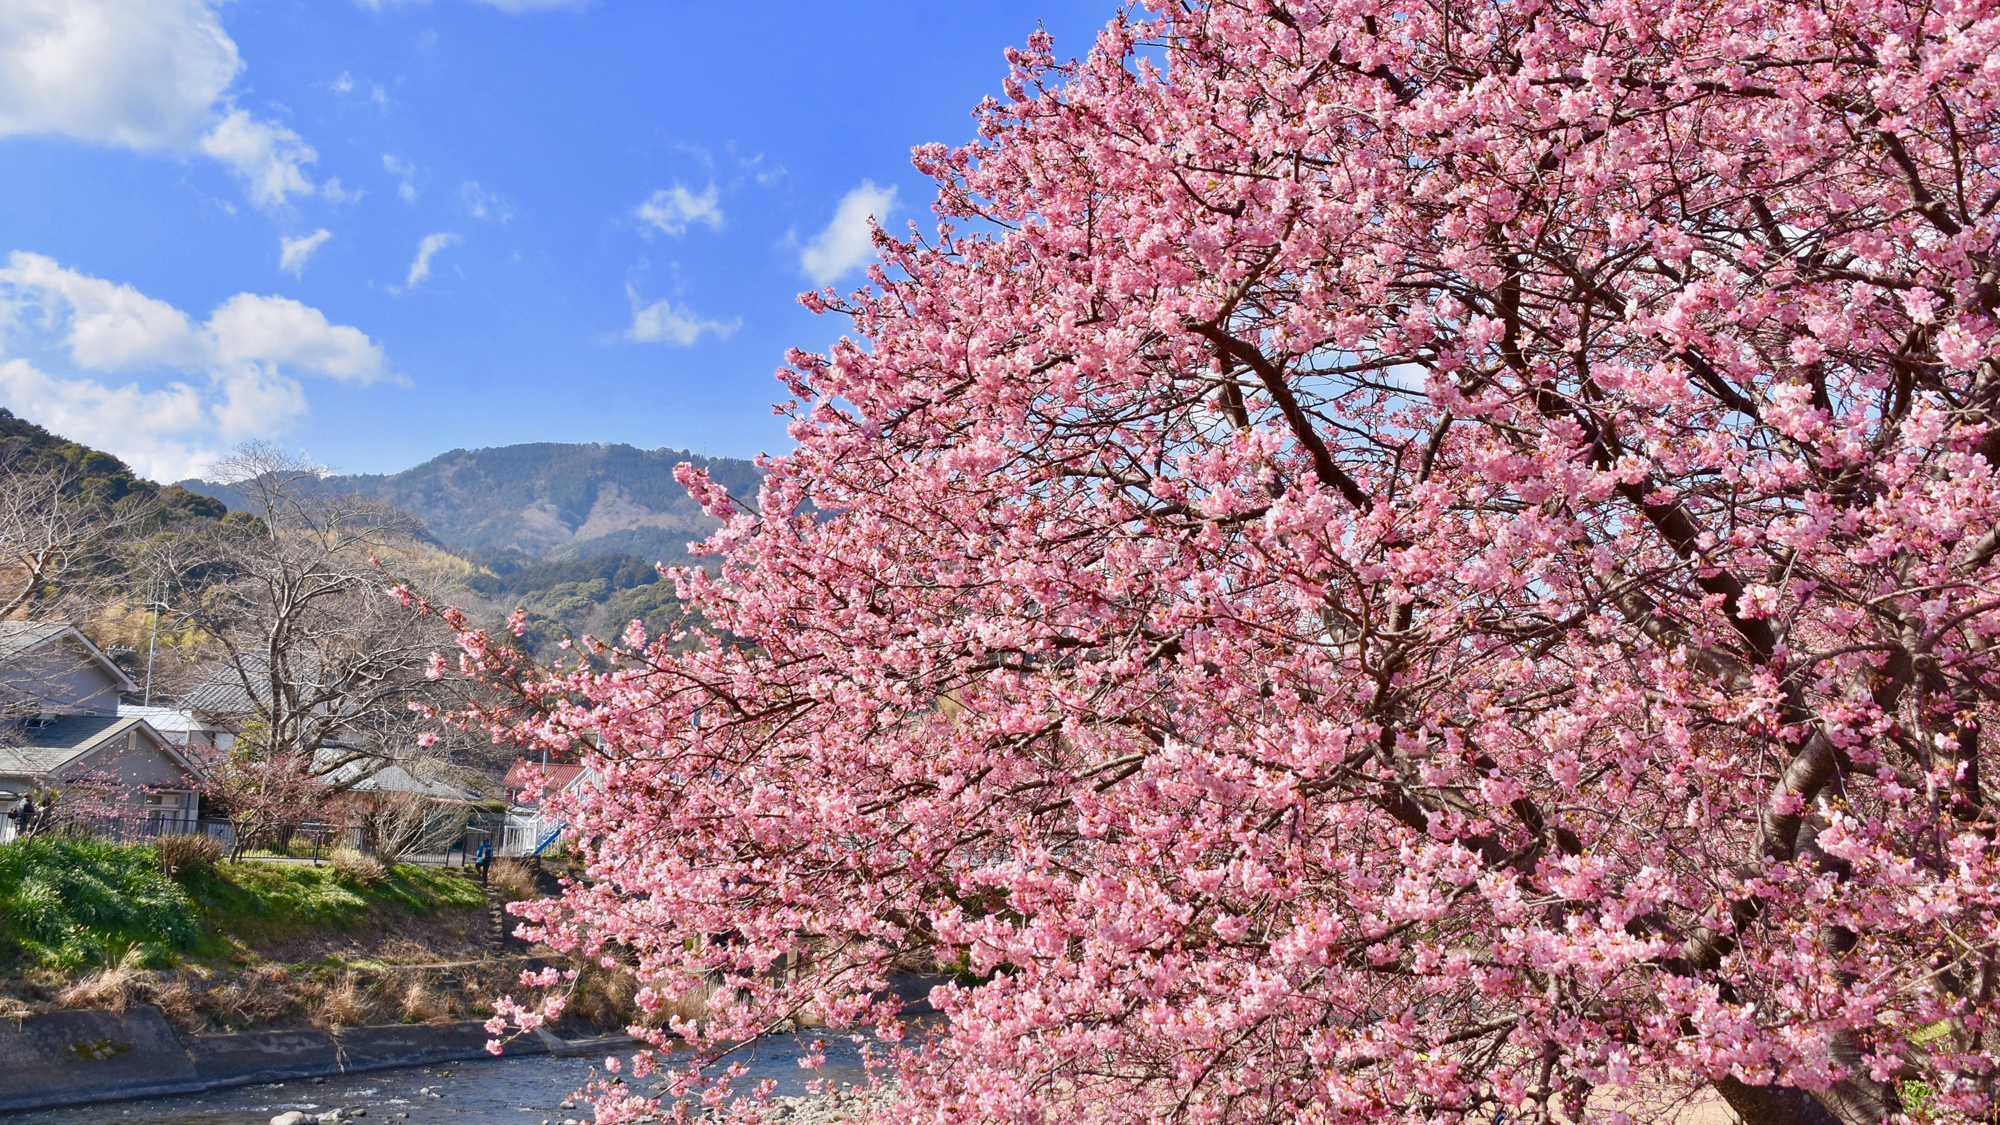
{"x": 223, "y": 947}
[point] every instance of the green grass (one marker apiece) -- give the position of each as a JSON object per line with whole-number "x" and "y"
{"x": 279, "y": 897}
{"x": 70, "y": 904}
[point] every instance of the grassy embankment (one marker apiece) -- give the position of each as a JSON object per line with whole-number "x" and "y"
{"x": 70, "y": 904}
{"x": 89, "y": 924}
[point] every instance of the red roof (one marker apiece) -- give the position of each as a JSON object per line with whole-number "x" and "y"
{"x": 556, "y": 775}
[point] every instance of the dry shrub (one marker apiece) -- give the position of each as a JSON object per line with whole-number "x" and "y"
{"x": 603, "y": 997}
{"x": 359, "y": 869}
{"x": 399, "y": 824}
{"x": 257, "y": 997}
{"x": 184, "y": 855}
{"x": 422, "y": 1005}
{"x": 514, "y": 880}
{"x": 110, "y": 990}
{"x": 341, "y": 1004}
{"x": 200, "y": 1001}
{"x": 183, "y": 1005}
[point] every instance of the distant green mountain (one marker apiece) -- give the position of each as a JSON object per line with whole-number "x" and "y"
{"x": 553, "y": 501}
{"x": 95, "y": 476}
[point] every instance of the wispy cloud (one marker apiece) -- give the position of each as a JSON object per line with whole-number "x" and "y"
{"x": 662, "y": 323}
{"x": 847, "y": 240}
{"x": 420, "y": 267}
{"x": 332, "y": 192}
{"x": 345, "y": 84}
{"x": 672, "y": 209}
{"x": 293, "y": 252}
{"x": 269, "y": 157}
{"x": 484, "y": 205}
{"x": 405, "y": 172}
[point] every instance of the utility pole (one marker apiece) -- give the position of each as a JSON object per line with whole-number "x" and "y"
{"x": 153, "y": 643}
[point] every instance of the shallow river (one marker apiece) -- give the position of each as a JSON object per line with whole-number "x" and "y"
{"x": 519, "y": 1091}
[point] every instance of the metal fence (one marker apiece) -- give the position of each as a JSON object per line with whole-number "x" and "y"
{"x": 530, "y": 836}
{"x": 129, "y": 829}
{"x": 520, "y": 839}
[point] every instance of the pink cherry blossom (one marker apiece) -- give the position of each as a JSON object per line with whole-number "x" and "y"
{"x": 1380, "y": 562}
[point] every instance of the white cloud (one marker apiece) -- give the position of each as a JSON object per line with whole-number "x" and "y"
{"x": 846, "y": 242}
{"x": 483, "y": 204}
{"x": 236, "y": 370}
{"x": 143, "y": 74}
{"x": 672, "y": 209}
{"x": 420, "y": 268}
{"x": 111, "y": 327}
{"x": 345, "y": 84}
{"x": 293, "y": 252}
{"x": 405, "y": 171}
{"x": 334, "y": 193}
{"x": 251, "y": 330}
{"x": 256, "y": 400}
{"x": 660, "y": 322}
{"x": 268, "y": 156}
{"x": 136, "y": 425}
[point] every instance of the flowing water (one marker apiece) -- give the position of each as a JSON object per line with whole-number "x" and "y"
{"x": 527, "y": 1090}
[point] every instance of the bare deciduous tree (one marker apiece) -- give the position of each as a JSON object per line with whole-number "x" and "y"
{"x": 311, "y": 656}
{"x": 399, "y": 823}
{"x": 55, "y": 543}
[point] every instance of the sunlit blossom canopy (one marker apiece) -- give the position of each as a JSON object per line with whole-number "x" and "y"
{"x": 1382, "y": 561}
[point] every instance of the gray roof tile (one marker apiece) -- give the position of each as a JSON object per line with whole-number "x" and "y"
{"x": 20, "y": 636}
{"x": 50, "y": 746}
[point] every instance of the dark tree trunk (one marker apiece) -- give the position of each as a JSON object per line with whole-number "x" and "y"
{"x": 1773, "y": 1105}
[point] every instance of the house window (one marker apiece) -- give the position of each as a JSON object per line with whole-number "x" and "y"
{"x": 166, "y": 806}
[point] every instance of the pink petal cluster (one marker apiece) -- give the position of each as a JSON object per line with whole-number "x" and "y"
{"x": 1384, "y": 561}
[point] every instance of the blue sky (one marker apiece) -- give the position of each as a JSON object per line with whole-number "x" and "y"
{"x": 377, "y": 231}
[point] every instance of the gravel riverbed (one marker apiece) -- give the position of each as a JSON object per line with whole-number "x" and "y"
{"x": 528, "y": 1090}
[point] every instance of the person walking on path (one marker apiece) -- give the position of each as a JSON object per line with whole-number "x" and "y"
{"x": 483, "y": 858}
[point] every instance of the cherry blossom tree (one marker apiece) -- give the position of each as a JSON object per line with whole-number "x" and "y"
{"x": 78, "y": 803}
{"x": 267, "y": 795}
{"x": 1383, "y": 561}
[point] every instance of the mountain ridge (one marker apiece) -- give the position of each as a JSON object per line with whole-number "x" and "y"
{"x": 550, "y": 500}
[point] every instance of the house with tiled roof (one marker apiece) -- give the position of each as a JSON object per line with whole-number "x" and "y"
{"x": 60, "y": 724}
{"x": 529, "y": 829}
{"x": 188, "y": 730}
{"x": 50, "y": 668}
{"x": 555, "y": 777}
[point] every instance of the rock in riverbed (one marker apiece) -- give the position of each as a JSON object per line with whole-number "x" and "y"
{"x": 829, "y": 1109}
{"x": 330, "y": 1117}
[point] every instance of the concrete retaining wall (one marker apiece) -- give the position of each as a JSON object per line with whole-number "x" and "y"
{"x": 67, "y": 1057}
{"x": 78, "y": 1057}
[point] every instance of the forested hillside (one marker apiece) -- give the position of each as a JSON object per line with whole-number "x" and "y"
{"x": 564, "y": 597}
{"x": 553, "y": 500}
{"x": 572, "y": 534}
{"x": 26, "y": 448}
